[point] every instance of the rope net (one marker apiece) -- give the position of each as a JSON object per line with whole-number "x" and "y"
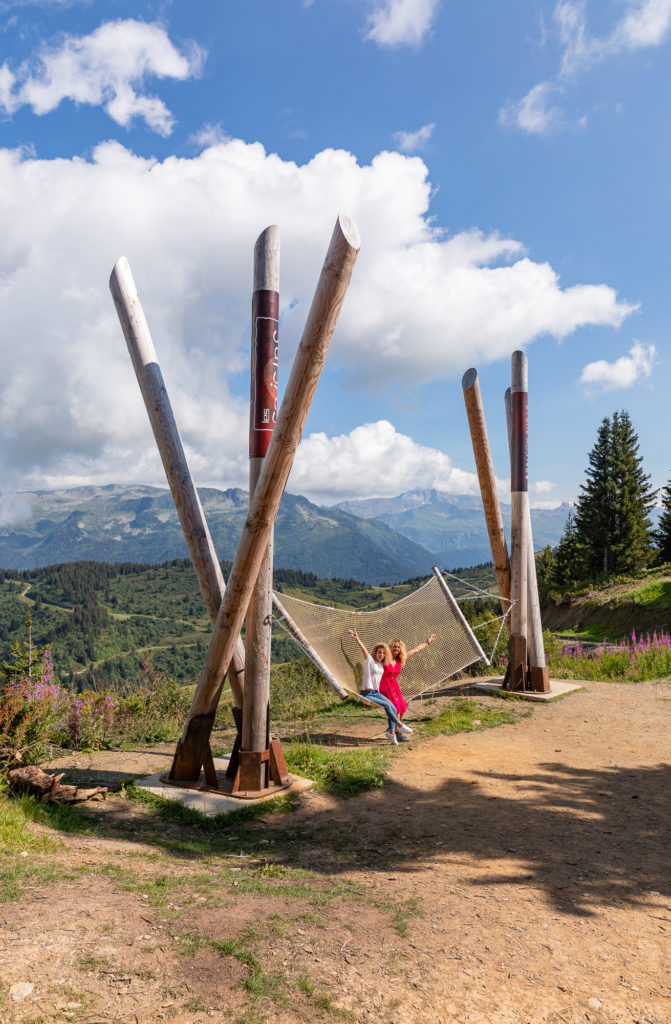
{"x": 430, "y": 609}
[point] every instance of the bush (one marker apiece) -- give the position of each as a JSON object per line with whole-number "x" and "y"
{"x": 37, "y": 711}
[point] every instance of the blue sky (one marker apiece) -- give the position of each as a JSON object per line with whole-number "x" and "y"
{"x": 507, "y": 166}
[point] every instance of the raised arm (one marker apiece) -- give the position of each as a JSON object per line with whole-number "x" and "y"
{"x": 355, "y": 636}
{"x": 420, "y": 647}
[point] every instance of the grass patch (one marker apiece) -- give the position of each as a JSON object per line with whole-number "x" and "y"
{"x": 404, "y": 914}
{"x": 20, "y": 845}
{"x": 464, "y": 715}
{"x": 340, "y": 772}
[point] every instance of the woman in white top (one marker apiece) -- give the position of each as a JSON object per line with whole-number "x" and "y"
{"x": 373, "y": 667}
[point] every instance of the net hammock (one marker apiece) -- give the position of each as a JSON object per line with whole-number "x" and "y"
{"x": 322, "y": 632}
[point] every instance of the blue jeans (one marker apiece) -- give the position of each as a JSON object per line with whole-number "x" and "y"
{"x": 384, "y": 702}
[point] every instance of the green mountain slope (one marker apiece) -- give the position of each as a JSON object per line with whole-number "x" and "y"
{"x": 139, "y": 524}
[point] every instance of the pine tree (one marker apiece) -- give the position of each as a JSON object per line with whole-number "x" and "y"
{"x": 613, "y": 527}
{"x": 663, "y": 536}
{"x": 545, "y": 571}
{"x": 566, "y": 556}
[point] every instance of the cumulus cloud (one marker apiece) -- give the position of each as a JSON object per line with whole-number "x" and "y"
{"x": 107, "y": 68}
{"x": 373, "y": 460}
{"x": 70, "y": 409}
{"x": 624, "y": 372}
{"x": 410, "y": 142}
{"x": 645, "y": 23}
{"x": 396, "y": 23}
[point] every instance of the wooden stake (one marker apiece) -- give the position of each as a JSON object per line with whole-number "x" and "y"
{"x": 183, "y": 490}
{"x": 321, "y": 322}
{"x": 490, "y": 499}
{"x": 263, "y": 413}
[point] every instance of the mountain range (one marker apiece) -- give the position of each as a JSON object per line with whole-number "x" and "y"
{"x": 453, "y": 526}
{"x": 380, "y": 540}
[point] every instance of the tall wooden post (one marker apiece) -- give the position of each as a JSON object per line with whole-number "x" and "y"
{"x": 183, "y": 490}
{"x": 490, "y": 499}
{"x": 262, "y": 416}
{"x": 517, "y": 643}
{"x": 539, "y": 677}
{"x": 329, "y": 296}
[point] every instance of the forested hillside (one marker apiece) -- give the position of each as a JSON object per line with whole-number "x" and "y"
{"x": 101, "y": 619}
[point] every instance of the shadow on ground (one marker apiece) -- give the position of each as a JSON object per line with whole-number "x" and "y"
{"x": 589, "y": 838}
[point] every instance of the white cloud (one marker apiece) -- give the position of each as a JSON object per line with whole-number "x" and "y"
{"x": 542, "y": 486}
{"x": 534, "y": 113}
{"x": 373, "y": 460}
{"x": 410, "y": 142}
{"x": 645, "y": 23}
{"x": 107, "y": 68}
{"x": 401, "y": 22}
{"x": 421, "y": 307}
{"x": 209, "y": 135}
{"x": 13, "y": 509}
{"x": 624, "y": 372}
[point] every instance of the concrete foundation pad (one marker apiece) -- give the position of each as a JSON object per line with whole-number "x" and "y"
{"x": 558, "y": 688}
{"x": 208, "y": 803}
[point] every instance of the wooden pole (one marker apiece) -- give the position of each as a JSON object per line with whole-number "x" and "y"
{"x": 183, "y": 490}
{"x": 262, "y": 415}
{"x": 538, "y": 674}
{"x": 490, "y": 499}
{"x": 519, "y": 516}
{"x": 319, "y": 328}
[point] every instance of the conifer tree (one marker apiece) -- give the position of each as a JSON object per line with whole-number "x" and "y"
{"x": 664, "y": 531}
{"x": 566, "y": 556}
{"x": 545, "y": 570}
{"x": 613, "y": 527}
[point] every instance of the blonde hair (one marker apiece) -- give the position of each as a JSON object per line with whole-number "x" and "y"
{"x": 387, "y": 653}
{"x": 403, "y": 657}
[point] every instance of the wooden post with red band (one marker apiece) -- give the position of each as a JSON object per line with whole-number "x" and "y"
{"x": 539, "y": 677}
{"x": 252, "y": 771}
{"x": 516, "y": 678}
{"x": 192, "y": 749}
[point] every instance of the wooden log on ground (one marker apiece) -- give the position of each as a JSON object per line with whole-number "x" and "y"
{"x": 185, "y": 496}
{"x": 490, "y": 499}
{"x": 319, "y": 328}
{"x": 48, "y": 788}
{"x": 262, "y": 417}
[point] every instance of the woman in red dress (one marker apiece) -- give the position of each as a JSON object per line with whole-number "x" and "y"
{"x": 389, "y": 685}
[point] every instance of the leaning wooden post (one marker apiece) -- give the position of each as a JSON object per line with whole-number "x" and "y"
{"x": 262, "y": 416}
{"x": 183, "y": 490}
{"x": 539, "y": 677}
{"x": 490, "y": 499}
{"x": 319, "y": 328}
{"x": 517, "y": 643}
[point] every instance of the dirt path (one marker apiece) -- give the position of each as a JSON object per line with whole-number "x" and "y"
{"x": 519, "y": 874}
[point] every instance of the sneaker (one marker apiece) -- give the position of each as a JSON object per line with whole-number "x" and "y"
{"x": 402, "y": 739}
{"x": 391, "y": 736}
{"x": 405, "y": 728}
